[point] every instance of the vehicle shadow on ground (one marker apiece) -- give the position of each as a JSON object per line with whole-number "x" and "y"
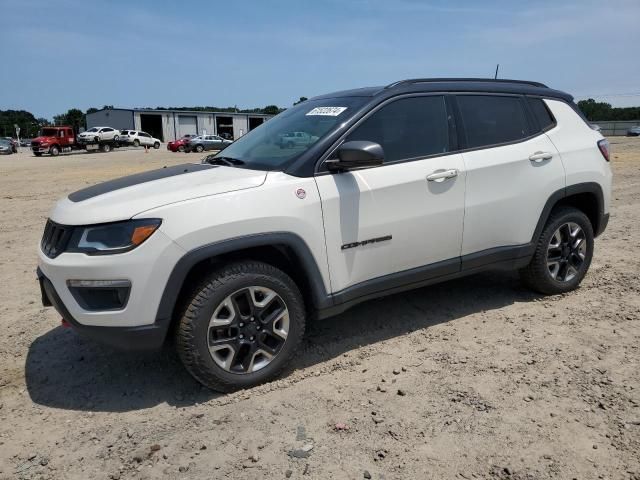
{"x": 64, "y": 370}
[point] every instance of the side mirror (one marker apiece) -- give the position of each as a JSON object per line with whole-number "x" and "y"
{"x": 357, "y": 154}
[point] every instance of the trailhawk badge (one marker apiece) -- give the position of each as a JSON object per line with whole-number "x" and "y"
{"x": 300, "y": 193}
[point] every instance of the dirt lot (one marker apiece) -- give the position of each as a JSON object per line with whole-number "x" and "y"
{"x": 476, "y": 378}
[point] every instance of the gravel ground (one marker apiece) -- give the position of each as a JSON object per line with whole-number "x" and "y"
{"x": 474, "y": 378}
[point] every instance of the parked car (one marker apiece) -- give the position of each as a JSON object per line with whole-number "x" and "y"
{"x": 297, "y": 139}
{"x": 14, "y": 144}
{"x": 138, "y": 138}
{"x": 6, "y": 148}
{"x": 25, "y": 142}
{"x": 633, "y": 131}
{"x": 99, "y": 134}
{"x": 179, "y": 144}
{"x": 206, "y": 142}
{"x": 406, "y": 185}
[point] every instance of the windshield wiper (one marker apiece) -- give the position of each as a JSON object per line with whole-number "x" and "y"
{"x": 227, "y": 161}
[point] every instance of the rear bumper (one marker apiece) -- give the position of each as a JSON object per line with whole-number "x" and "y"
{"x": 145, "y": 337}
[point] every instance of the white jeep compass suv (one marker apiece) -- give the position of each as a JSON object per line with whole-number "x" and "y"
{"x": 417, "y": 182}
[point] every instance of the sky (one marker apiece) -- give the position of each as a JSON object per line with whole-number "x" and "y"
{"x": 63, "y": 54}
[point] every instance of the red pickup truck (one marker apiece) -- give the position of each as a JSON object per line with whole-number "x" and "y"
{"x": 56, "y": 140}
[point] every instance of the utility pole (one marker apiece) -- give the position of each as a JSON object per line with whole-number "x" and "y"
{"x": 496, "y": 75}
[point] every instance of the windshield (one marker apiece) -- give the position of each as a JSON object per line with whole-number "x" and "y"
{"x": 4, "y": 141}
{"x": 275, "y": 143}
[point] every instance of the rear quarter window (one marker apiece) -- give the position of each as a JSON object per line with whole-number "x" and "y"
{"x": 492, "y": 119}
{"x": 541, "y": 113}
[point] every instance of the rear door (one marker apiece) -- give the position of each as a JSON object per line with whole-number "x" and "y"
{"x": 393, "y": 218}
{"x": 512, "y": 169}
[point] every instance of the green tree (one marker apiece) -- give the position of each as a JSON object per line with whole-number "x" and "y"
{"x": 595, "y": 110}
{"x": 25, "y": 120}
{"x": 602, "y": 111}
{"x": 271, "y": 110}
{"x": 73, "y": 118}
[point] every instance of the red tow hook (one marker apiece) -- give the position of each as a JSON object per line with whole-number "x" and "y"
{"x": 64, "y": 323}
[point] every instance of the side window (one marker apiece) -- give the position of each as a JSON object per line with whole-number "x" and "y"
{"x": 407, "y": 128}
{"x": 490, "y": 120}
{"x": 107, "y": 129}
{"x": 542, "y": 113}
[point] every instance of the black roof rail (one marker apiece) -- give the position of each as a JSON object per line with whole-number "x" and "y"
{"x": 491, "y": 80}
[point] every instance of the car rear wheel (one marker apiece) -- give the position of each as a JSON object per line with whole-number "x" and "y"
{"x": 241, "y": 326}
{"x": 563, "y": 253}
{"x": 136, "y": 143}
{"x": 54, "y": 151}
{"x": 199, "y": 148}
{"x": 106, "y": 148}
{"x": 181, "y": 148}
{"x": 156, "y": 145}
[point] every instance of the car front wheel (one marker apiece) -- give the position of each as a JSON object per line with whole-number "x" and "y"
{"x": 241, "y": 327}
{"x": 563, "y": 253}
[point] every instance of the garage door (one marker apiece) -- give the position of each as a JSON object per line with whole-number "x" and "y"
{"x": 187, "y": 125}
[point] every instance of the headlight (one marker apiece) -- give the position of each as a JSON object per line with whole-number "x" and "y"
{"x": 112, "y": 237}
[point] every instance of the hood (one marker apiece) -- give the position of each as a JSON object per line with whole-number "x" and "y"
{"x": 126, "y": 197}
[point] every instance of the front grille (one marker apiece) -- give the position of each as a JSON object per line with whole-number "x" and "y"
{"x": 35, "y": 144}
{"x": 55, "y": 239}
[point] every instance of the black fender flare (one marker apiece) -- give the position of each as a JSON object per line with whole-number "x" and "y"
{"x": 320, "y": 297}
{"x": 586, "y": 187}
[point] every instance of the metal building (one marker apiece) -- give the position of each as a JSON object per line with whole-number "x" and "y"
{"x": 170, "y": 125}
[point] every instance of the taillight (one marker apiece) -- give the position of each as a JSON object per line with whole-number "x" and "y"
{"x": 603, "y": 145}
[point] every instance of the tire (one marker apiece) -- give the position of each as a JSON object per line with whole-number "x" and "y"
{"x": 106, "y": 148}
{"x": 545, "y": 276}
{"x": 136, "y": 143}
{"x": 54, "y": 151}
{"x": 210, "y": 299}
{"x": 156, "y": 145}
{"x": 199, "y": 148}
{"x": 181, "y": 148}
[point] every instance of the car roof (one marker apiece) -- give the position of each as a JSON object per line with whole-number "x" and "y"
{"x": 481, "y": 85}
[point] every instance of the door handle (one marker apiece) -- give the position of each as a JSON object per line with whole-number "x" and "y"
{"x": 539, "y": 157}
{"x": 443, "y": 175}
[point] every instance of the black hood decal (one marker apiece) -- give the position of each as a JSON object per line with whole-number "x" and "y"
{"x": 129, "y": 181}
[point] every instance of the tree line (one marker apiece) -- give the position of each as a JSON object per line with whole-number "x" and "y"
{"x": 602, "y": 111}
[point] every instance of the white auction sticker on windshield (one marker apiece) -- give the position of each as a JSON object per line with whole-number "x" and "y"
{"x": 327, "y": 111}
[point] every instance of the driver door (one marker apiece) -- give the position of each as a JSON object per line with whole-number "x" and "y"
{"x": 395, "y": 224}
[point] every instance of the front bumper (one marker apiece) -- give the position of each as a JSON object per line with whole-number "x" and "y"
{"x": 146, "y": 337}
{"x": 146, "y": 268}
